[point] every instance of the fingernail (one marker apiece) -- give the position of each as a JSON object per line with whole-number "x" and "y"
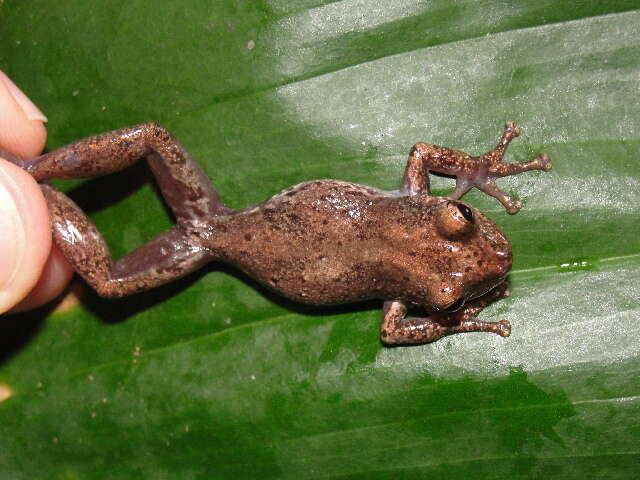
{"x": 12, "y": 233}
{"x": 30, "y": 110}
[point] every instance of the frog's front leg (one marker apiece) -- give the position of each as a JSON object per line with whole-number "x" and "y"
{"x": 479, "y": 172}
{"x": 398, "y": 329}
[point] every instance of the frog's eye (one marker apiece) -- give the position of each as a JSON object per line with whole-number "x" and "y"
{"x": 466, "y": 212}
{"x": 454, "y": 219}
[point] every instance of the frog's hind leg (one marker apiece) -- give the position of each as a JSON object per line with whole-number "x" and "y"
{"x": 479, "y": 172}
{"x": 398, "y": 329}
{"x": 183, "y": 184}
{"x": 168, "y": 256}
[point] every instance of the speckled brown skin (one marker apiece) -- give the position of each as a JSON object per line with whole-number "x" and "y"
{"x": 323, "y": 242}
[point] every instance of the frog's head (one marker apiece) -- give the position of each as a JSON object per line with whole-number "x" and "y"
{"x": 462, "y": 255}
{"x": 479, "y": 255}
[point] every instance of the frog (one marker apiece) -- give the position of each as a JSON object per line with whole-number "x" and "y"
{"x": 321, "y": 242}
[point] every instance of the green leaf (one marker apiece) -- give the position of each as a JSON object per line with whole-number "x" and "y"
{"x": 214, "y": 377}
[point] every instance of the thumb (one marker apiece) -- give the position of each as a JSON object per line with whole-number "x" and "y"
{"x": 25, "y": 234}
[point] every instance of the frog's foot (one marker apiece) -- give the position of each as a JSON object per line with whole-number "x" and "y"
{"x": 491, "y": 166}
{"x": 502, "y": 328}
{"x": 398, "y": 329}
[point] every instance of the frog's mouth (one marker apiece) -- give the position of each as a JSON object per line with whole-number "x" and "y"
{"x": 470, "y": 295}
{"x": 487, "y": 287}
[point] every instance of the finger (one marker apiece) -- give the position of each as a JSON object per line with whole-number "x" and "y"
{"x": 25, "y": 234}
{"x": 22, "y": 130}
{"x": 25, "y": 239}
{"x": 54, "y": 278}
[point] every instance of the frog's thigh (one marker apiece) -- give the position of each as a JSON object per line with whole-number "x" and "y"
{"x": 166, "y": 257}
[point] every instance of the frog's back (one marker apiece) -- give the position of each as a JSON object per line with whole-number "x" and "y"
{"x": 316, "y": 241}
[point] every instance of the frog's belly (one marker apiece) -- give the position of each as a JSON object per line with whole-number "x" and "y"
{"x": 317, "y": 276}
{"x": 315, "y": 243}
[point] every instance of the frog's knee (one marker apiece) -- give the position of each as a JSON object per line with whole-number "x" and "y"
{"x": 108, "y": 288}
{"x": 154, "y": 131}
{"x": 389, "y": 338}
{"x": 422, "y": 150}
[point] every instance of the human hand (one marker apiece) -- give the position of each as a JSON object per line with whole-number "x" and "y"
{"x": 32, "y": 272}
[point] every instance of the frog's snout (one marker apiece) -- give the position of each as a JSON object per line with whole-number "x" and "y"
{"x": 504, "y": 261}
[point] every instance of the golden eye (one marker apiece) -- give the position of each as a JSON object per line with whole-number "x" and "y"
{"x": 454, "y": 219}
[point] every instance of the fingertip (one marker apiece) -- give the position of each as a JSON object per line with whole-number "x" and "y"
{"x": 56, "y": 274}
{"x": 25, "y": 239}
{"x": 22, "y": 130}
{"x": 28, "y": 142}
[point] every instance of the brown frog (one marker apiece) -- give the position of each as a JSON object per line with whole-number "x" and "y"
{"x": 323, "y": 242}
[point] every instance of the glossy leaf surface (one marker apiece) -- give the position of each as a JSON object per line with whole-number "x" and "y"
{"x": 214, "y": 377}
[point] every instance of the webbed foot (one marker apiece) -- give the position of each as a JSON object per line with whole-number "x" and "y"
{"x": 491, "y": 166}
